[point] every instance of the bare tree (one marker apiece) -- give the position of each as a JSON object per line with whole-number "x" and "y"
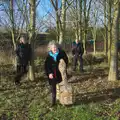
{"x": 86, "y": 20}
{"x": 109, "y": 28}
{"x": 94, "y": 29}
{"x": 105, "y": 25}
{"x": 113, "y": 71}
{"x": 60, "y": 11}
{"x": 32, "y": 24}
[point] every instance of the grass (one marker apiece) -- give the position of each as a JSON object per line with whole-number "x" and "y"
{"x": 95, "y": 97}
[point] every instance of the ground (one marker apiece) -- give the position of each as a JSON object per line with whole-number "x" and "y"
{"x": 96, "y": 98}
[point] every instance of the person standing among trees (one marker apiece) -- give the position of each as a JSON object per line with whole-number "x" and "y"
{"x": 54, "y": 56}
{"x": 77, "y": 52}
{"x": 23, "y": 53}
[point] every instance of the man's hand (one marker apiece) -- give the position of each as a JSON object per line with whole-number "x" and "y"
{"x": 50, "y": 76}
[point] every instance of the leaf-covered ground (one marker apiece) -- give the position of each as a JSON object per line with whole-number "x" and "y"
{"x": 96, "y": 98}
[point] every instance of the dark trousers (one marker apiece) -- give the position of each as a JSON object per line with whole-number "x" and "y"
{"x": 53, "y": 90}
{"x": 77, "y": 58}
{"x": 21, "y": 70}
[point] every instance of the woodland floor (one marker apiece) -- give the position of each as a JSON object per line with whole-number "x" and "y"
{"x": 96, "y": 98}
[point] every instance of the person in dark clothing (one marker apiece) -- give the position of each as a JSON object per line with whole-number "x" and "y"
{"x": 51, "y": 67}
{"x": 77, "y": 52}
{"x": 23, "y": 52}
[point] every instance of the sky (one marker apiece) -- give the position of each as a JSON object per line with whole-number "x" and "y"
{"x": 44, "y": 7}
{"x": 43, "y": 10}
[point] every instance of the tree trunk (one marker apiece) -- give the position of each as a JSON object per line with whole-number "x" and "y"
{"x": 85, "y": 26}
{"x": 109, "y": 30}
{"x": 105, "y": 24}
{"x": 76, "y": 34}
{"x": 113, "y": 72}
{"x": 32, "y": 36}
{"x": 57, "y": 20}
{"x": 13, "y": 30}
{"x": 95, "y": 31}
{"x": 76, "y": 20}
{"x": 57, "y": 26}
{"x": 12, "y": 24}
{"x": 62, "y": 24}
{"x": 80, "y": 22}
{"x": 94, "y": 37}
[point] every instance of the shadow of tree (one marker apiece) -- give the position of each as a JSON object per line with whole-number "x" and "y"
{"x": 94, "y": 97}
{"x": 98, "y": 73}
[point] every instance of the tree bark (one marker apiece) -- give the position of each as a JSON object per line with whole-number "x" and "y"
{"x": 85, "y": 26}
{"x": 32, "y": 36}
{"x": 113, "y": 71}
{"x": 76, "y": 20}
{"x": 94, "y": 37}
{"x": 109, "y": 30}
{"x": 80, "y": 22}
{"x": 62, "y": 24}
{"x": 105, "y": 24}
{"x": 12, "y": 24}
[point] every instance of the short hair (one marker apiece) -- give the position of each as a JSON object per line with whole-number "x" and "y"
{"x": 50, "y": 44}
{"x": 22, "y": 37}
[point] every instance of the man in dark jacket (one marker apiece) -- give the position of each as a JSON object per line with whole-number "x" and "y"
{"x": 23, "y": 52}
{"x": 77, "y": 52}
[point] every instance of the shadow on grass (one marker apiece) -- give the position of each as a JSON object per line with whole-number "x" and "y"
{"x": 95, "y": 74}
{"x": 95, "y": 97}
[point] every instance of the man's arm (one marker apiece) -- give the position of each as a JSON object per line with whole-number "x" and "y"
{"x": 82, "y": 49}
{"x": 73, "y": 48}
{"x": 29, "y": 52}
{"x": 65, "y": 57}
{"x": 17, "y": 51}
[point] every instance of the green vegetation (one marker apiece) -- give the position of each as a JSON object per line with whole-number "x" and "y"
{"x": 95, "y": 97}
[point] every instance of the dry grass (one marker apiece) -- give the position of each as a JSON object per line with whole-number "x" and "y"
{"x": 7, "y": 57}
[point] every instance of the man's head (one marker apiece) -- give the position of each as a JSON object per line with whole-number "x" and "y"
{"x": 22, "y": 40}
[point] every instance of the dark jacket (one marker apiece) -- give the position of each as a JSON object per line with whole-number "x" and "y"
{"x": 23, "y": 52}
{"x": 51, "y": 66}
{"x": 77, "y": 49}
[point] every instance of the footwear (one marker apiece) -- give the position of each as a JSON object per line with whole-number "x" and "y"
{"x": 82, "y": 71}
{"x": 17, "y": 83}
{"x": 53, "y": 102}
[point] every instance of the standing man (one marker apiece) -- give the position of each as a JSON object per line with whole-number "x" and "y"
{"x": 77, "y": 52}
{"x": 23, "y": 52}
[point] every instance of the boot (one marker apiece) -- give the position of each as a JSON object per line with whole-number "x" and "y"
{"x": 17, "y": 80}
{"x": 53, "y": 101}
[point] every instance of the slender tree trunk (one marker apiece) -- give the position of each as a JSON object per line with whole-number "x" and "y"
{"x": 85, "y": 26}
{"x": 77, "y": 20}
{"x": 13, "y": 30}
{"x": 94, "y": 37}
{"x": 109, "y": 30}
{"x": 80, "y": 23}
{"x": 76, "y": 34}
{"x": 57, "y": 20}
{"x": 63, "y": 20}
{"x": 57, "y": 26}
{"x": 32, "y": 36}
{"x": 105, "y": 22}
{"x": 113, "y": 72}
{"x": 95, "y": 31}
{"x": 12, "y": 23}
